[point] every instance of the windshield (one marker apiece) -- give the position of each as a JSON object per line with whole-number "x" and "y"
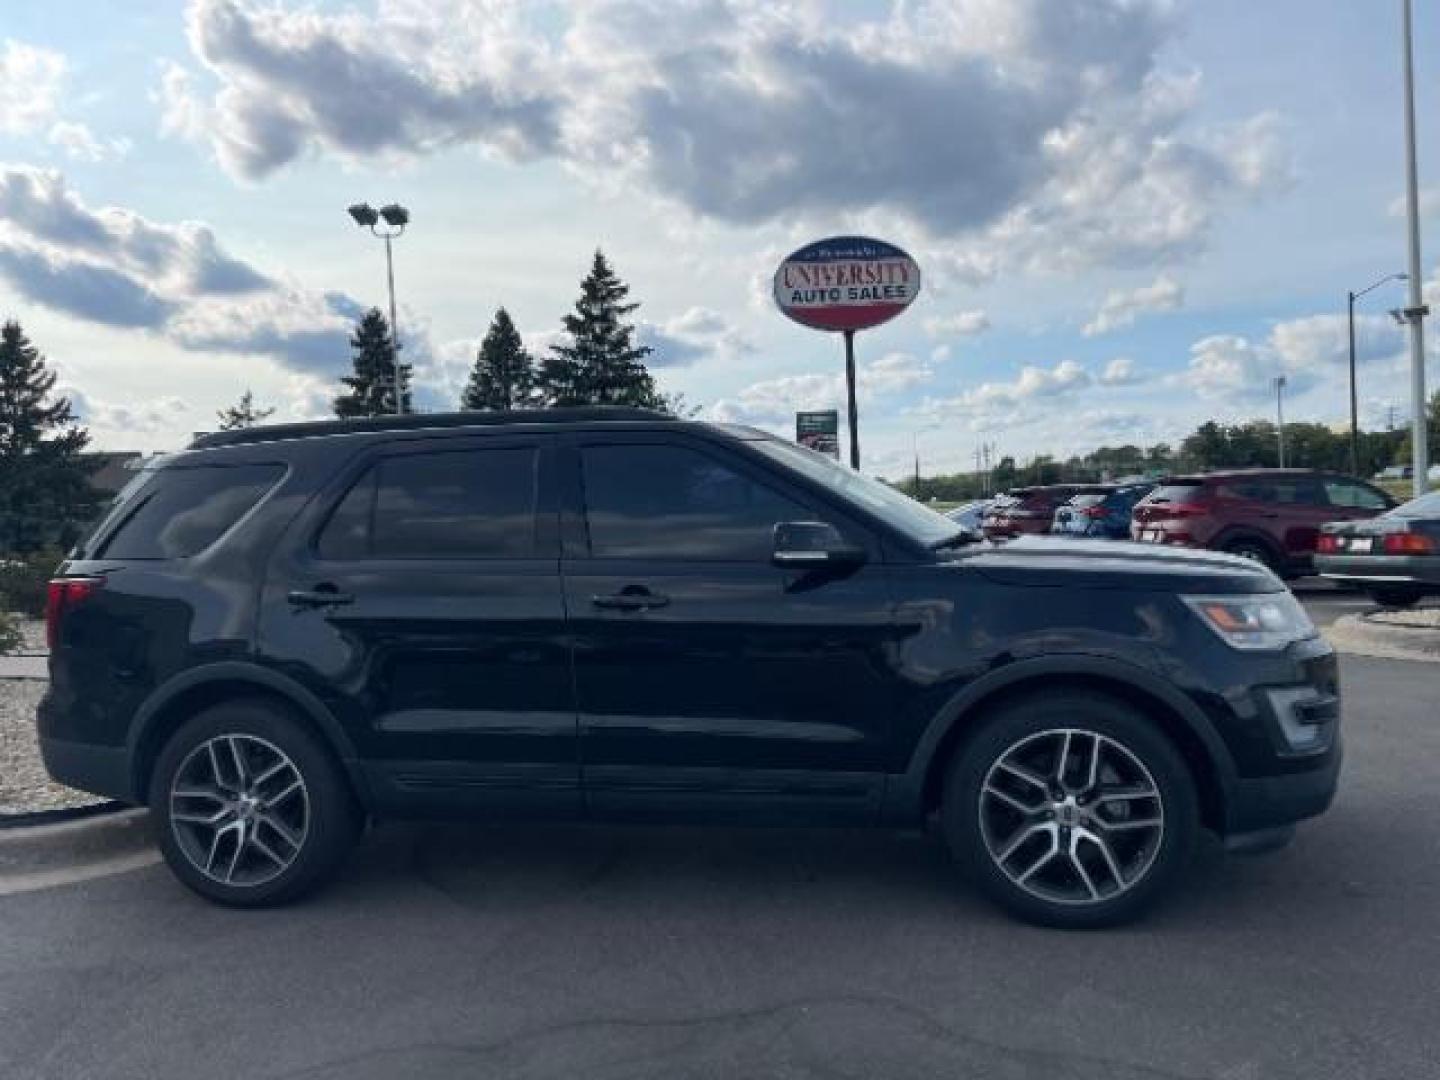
{"x": 1423, "y": 507}
{"x": 896, "y": 509}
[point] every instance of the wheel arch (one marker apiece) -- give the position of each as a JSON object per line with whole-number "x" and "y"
{"x": 199, "y": 688}
{"x": 1231, "y": 533}
{"x": 916, "y": 792}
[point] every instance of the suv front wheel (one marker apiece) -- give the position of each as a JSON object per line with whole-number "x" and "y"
{"x": 250, "y": 808}
{"x": 1071, "y": 810}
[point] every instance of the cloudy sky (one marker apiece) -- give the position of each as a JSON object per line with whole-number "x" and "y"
{"x": 1130, "y": 214}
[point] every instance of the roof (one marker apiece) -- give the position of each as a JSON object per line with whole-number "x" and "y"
{"x": 1215, "y": 474}
{"x": 419, "y": 421}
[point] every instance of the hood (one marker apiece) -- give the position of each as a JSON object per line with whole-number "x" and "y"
{"x": 1117, "y": 564}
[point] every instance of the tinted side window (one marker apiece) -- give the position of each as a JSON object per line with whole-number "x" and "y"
{"x": 465, "y": 504}
{"x": 182, "y": 511}
{"x": 671, "y": 502}
{"x": 1348, "y": 493}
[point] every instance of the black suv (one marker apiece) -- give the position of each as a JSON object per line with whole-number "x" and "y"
{"x": 611, "y": 614}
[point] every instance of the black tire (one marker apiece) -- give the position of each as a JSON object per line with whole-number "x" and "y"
{"x": 1254, "y": 550}
{"x": 1396, "y": 596}
{"x": 1028, "y": 721}
{"x": 326, "y": 831}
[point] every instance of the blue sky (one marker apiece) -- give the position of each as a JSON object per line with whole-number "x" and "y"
{"x": 1130, "y": 214}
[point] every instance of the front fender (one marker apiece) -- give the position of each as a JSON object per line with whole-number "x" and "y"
{"x": 905, "y": 791}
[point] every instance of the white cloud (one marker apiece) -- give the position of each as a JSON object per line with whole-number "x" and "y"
{"x": 993, "y": 403}
{"x": 30, "y": 83}
{"x": 774, "y": 402}
{"x": 1120, "y": 372}
{"x": 694, "y": 335}
{"x": 1429, "y": 204}
{"x": 80, "y": 144}
{"x": 1045, "y": 133}
{"x": 961, "y": 324}
{"x": 1307, "y": 351}
{"x": 1122, "y": 307}
{"x": 126, "y": 418}
{"x": 113, "y": 267}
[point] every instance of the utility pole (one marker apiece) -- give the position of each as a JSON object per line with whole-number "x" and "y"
{"x": 1416, "y": 312}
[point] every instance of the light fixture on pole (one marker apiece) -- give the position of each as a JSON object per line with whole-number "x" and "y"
{"x": 1416, "y": 312}
{"x": 396, "y": 217}
{"x": 1280, "y": 415}
{"x": 1354, "y": 407}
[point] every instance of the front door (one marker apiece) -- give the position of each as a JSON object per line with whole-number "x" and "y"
{"x": 424, "y": 601}
{"x": 708, "y": 680}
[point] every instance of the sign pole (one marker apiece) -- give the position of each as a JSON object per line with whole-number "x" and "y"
{"x": 853, "y": 414}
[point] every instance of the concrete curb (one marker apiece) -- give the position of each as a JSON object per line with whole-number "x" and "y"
{"x": 1363, "y": 637}
{"x": 39, "y": 856}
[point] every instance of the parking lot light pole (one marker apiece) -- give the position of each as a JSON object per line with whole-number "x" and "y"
{"x": 1416, "y": 312}
{"x": 396, "y": 217}
{"x": 1354, "y": 406}
{"x": 1280, "y": 415}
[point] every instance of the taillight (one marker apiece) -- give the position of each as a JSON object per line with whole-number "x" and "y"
{"x": 62, "y": 595}
{"x": 1327, "y": 544}
{"x": 1409, "y": 543}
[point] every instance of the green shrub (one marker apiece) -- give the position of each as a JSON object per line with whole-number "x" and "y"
{"x": 9, "y": 629}
{"x": 24, "y": 578}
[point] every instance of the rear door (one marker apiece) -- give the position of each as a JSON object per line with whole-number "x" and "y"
{"x": 709, "y": 681}
{"x": 421, "y": 596}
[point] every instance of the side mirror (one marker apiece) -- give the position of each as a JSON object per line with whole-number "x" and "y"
{"x": 813, "y": 545}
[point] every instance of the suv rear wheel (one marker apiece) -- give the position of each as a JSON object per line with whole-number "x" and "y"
{"x": 250, "y": 808}
{"x": 1071, "y": 810}
{"x": 1254, "y": 550}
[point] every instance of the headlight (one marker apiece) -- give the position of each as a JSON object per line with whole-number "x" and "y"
{"x": 1265, "y": 621}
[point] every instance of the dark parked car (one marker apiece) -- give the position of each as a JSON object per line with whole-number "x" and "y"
{"x": 1027, "y": 510}
{"x": 1103, "y": 510}
{"x": 1272, "y": 516}
{"x": 1394, "y": 557}
{"x": 615, "y": 615}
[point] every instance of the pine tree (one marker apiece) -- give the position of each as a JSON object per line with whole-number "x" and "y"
{"x": 372, "y": 386}
{"x": 601, "y": 365}
{"x": 45, "y": 492}
{"x": 504, "y": 372}
{"x": 243, "y": 414}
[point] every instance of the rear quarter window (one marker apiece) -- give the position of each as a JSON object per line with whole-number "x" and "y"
{"x": 181, "y": 511}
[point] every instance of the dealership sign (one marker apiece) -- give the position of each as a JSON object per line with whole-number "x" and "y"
{"x": 819, "y": 431}
{"x": 846, "y": 283}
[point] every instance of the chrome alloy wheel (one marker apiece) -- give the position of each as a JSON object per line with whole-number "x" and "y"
{"x": 239, "y": 810}
{"x": 1071, "y": 816}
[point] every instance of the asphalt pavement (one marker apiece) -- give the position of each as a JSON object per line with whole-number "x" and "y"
{"x": 597, "y": 952}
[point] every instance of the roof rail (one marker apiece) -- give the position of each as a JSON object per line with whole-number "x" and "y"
{"x": 419, "y": 421}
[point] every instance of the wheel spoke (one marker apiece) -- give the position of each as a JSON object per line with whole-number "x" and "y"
{"x": 1132, "y": 823}
{"x": 270, "y": 773}
{"x": 211, "y": 820}
{"x": 285, "y": 792}
{"x": 1127, "y": 794}
{"x": 1049, "y": 853}
{"x": 266, "y": 850}
{"x": 199, "y": 793}
{"x": 1105, "y": 853}
{"x": 1022, "y": 837}
{"x": 282, "y": 830}
{"x": 1094, "y": 762}
{"x": 217, "y": 774}
{"x": 1012, "y": 801}
{"x": 242, "y": 774}
{"x": 1063, "y": 760}
{"x": 1032, "y": 778}
{"x": 1079, "y": 865}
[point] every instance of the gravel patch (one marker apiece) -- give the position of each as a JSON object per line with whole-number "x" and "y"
{"x": 1413, "y": 618}
{"x": 24, "y": 787}
{"x": 32, "y": 635}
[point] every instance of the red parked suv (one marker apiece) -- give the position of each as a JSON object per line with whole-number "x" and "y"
{"x": 1270, "y": 515}
{"x": 1026, "y": 510}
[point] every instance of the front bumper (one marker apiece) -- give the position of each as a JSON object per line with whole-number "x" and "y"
{"x": 1382, "y": 569}
{"x": 1265, "y": 802}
